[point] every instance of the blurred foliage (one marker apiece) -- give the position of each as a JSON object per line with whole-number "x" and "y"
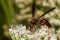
{"x": 24, "y": 22}
{"x": 16, "y": 9}
{"x": 58, "y": 5}
{"x": 7, "y": 13}
{"x": 7, "y": 8}
{"x": 43, "y": 8}
{"x": 56, "y": 27}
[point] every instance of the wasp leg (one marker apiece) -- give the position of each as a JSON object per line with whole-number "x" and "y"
{"x": 49, "y": 29}
{"x": 32, "y": 27}
{"x": 45, "y": 22}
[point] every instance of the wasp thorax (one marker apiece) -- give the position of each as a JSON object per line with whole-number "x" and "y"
{"x": 34, "y": 21}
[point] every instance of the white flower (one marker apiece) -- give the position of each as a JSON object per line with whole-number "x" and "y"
{"x": 45, "y": 3}
{"x": 20, "y": 31}
{"x": 14, "y": 31}
{"x": 46, "y": 38}
{"x": 47, "y": 16}
{"x": 29, "y": 36}
{"x": 52, "y": 14}
{"x": 58, "y": 33}
{"x": 16, "y": 34}
{"x": 35, "y": 35}
{"x": 28, "y": 31}
{"x": 22, "y": 38}
{"x": 53, "y": 37}
{"x": 55, "y": 21}
{"x": 10, "y": 30}
{"x": 38, "y": 2}
{"x": 21, "y": 6}
{"x": 53, "y": 30}
{"x": 23, "y": 11}
{"x": 57, "y": 10}
{"x": 43, "y": 31}
{"x": 27, "y": 2}
{"x": 22, "y": 0}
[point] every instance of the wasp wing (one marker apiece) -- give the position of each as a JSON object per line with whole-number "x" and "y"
{"x": 47, "y": 12}
{"x": 33, "y": 8}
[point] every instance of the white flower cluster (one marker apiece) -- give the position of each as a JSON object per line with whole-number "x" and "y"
{"x": 20, "y": 33}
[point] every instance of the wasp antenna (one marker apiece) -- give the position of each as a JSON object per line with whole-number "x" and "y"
{"x": 33, "y": 8}
{"x": 47, "y": 12}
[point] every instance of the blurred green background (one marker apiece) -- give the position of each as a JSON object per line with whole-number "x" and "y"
{"x": 19, "y": 12}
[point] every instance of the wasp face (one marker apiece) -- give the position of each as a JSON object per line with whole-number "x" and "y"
{"x": 31, "y": 27}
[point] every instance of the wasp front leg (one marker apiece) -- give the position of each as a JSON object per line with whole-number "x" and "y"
{"x": 31, "y": 27}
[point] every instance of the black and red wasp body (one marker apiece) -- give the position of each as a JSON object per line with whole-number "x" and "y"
{"x": 31, "y": 25}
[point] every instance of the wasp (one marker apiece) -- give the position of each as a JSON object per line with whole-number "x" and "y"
{"x": 31, "y": 26}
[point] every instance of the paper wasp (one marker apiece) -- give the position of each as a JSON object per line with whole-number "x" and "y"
{"x": 31, "y": 25}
